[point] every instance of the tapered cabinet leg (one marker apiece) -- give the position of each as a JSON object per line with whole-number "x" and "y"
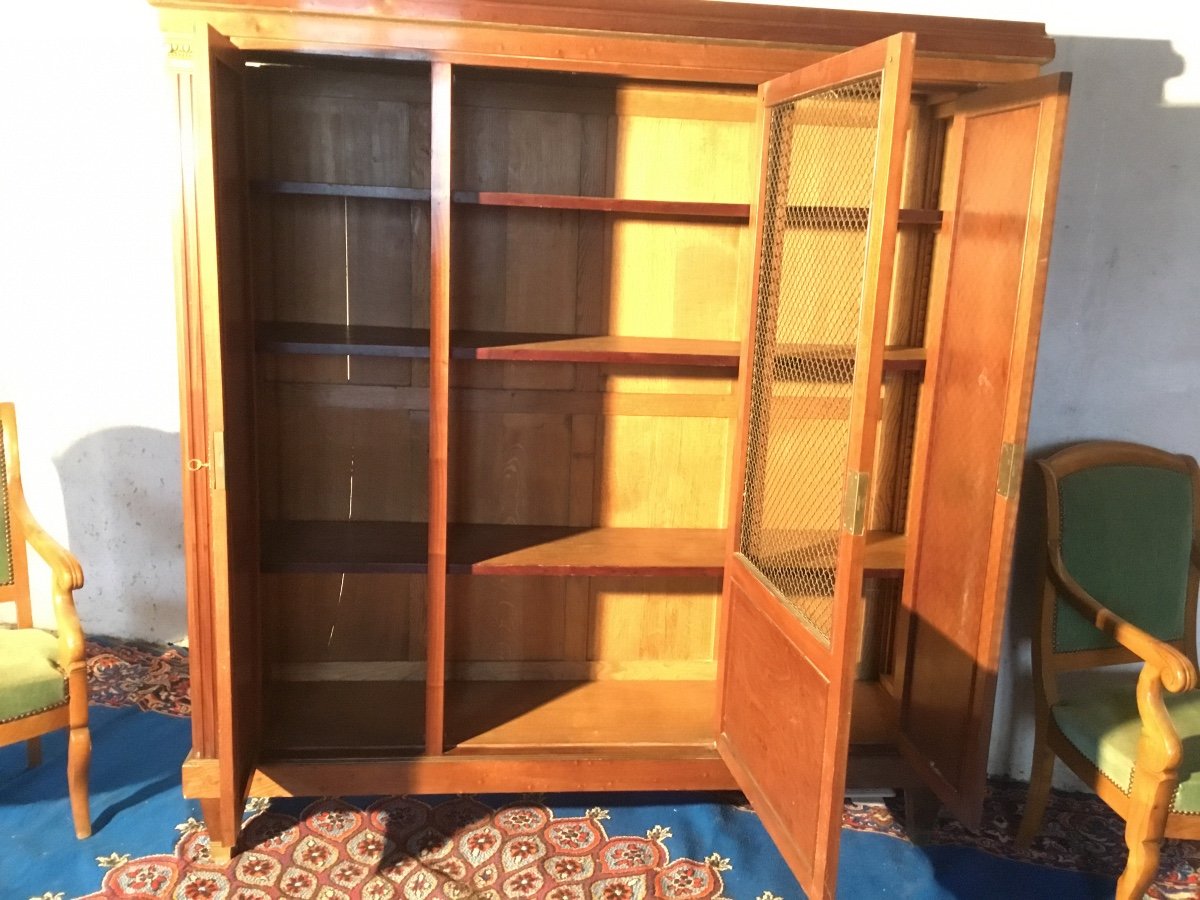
{"x": 1039, "y": 787}
{"x": 79, "y": 762}
{"x": 33, "y": 752}
{"x": 222, "y": 833}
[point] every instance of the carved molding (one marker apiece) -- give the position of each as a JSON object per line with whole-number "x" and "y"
{"x": 179, "y": 47}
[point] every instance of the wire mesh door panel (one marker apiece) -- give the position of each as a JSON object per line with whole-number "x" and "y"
{"x": 832, "y": 161}
{"x": 812, "y": 286}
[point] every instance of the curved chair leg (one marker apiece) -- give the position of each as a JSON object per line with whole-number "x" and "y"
{"x": 1145, "y": 826}
{"x": 1039, "y": 786}
{"x": 1142, "y": 865}
{"x": 33, "y": 752}
{"x": 79, "y": 759}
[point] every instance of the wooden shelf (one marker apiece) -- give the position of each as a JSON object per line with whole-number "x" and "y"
{"x": 345, "y": 546}
{"x": 676, "y": 209}
{"x": 345, "y": 718}
{"x": 328, "y": 189}
{"x": 812, "y": 216}
{"x": 413, "y": 343}
{"x": 840, "y": 359}
{"x": 342, "y": 340}
{"x": 332, "y": 719}
{"x": 550, "y": 716}
{"x": 553, "y": 550}
{"x": 856, "y": 217}
{"x": 904, "y": 359}
{"x": 401, "y": 547}
{"x": 883, "y": 556}
{"x": 603, "y": 349}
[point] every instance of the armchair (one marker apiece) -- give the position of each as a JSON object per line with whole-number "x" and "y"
{"x": 1122, "y": 568}
{"x": 43, "y": 679}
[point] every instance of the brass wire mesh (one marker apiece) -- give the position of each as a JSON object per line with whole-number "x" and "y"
{"x": 819, "y": 180}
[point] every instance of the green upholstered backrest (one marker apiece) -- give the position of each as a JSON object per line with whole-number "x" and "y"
{"x": 1126, "y": 536}
{"x": 6, "y": 549}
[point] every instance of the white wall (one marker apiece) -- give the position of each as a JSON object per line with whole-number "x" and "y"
{"x": 88, "y": 311}
{"x": 87, "y": 340}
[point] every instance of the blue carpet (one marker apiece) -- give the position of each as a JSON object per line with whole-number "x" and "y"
{"x": 136, "y": 806}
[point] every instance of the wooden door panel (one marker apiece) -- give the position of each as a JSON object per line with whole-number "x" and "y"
{"x": 228, "y": 401}
{"x": 782, "y": 756}
{"x": 1003, "y": 151}
{"x": 825, "y": 226}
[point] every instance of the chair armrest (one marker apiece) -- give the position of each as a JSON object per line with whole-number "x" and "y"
{"x": 67, "y": 575}
{"x": 1171, "y": 666}
{"x": 64, "y": 567}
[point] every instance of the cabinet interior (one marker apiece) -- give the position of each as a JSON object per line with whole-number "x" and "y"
{"x": 600, "y": 261}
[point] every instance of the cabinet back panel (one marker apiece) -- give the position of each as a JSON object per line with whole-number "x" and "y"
{"x": 633, "y": 471}
{"x": 338, "y": 125}
{"x": 662, "y": 472}
{"x": 556, "y": 628}
{"x": 318, "y": 621}
{"x": 669, "y": 620}
{"x": 328, "y": 462}
{"x": 511, "y": 468}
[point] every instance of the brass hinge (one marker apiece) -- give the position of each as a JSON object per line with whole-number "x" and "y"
{"x": 1011, "y": 457}
{"x": 854, "y": 511}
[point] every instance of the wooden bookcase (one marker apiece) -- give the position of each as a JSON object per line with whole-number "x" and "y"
{"x": 509, "y": 383}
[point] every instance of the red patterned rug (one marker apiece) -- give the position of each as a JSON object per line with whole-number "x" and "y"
{"x": 1079, "y": 831}
{"x": 403, "y": 848}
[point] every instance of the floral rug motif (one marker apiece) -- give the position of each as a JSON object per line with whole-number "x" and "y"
{"x": 154, "y": 679}
{"x": 1079, "y": 832}
{"x": 405, "y": 849}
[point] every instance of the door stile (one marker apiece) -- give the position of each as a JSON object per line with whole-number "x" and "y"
{"x": 865, "y": 413}
{"x": 738, "y": 500}
{"x": 192, "y": 431}
{"x": 439, "y": 405}
{"x": 227, "y": 361}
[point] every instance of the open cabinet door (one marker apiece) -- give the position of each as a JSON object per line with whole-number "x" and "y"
{"x": 1002, "y": 155}
{"x": 825, "y": 222}
{"x": 227, "y": 385}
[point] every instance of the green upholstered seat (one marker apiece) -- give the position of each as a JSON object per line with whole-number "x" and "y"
{"x": 1127, "y": 539}
{"x": 1100, "y": 718}
{"x": 30, "y": 679}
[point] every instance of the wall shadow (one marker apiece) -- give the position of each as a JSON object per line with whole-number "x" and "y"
{"x": 124, "y": 511}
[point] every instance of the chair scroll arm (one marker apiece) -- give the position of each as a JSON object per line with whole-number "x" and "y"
{"x": 64, "y": 567}
{"x": 67, "y": 575}
{"x": 1172, "y": 667}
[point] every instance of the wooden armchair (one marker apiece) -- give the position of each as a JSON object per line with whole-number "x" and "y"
{"x": 43, "y": 679}
{"x": 1122, "y": 566}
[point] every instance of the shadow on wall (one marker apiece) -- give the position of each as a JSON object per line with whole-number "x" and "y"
{"x": 125, "y": 523}
{"x": 1120, "y": 329}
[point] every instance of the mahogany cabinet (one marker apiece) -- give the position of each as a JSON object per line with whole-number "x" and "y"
{"x": 603, "y": 399}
